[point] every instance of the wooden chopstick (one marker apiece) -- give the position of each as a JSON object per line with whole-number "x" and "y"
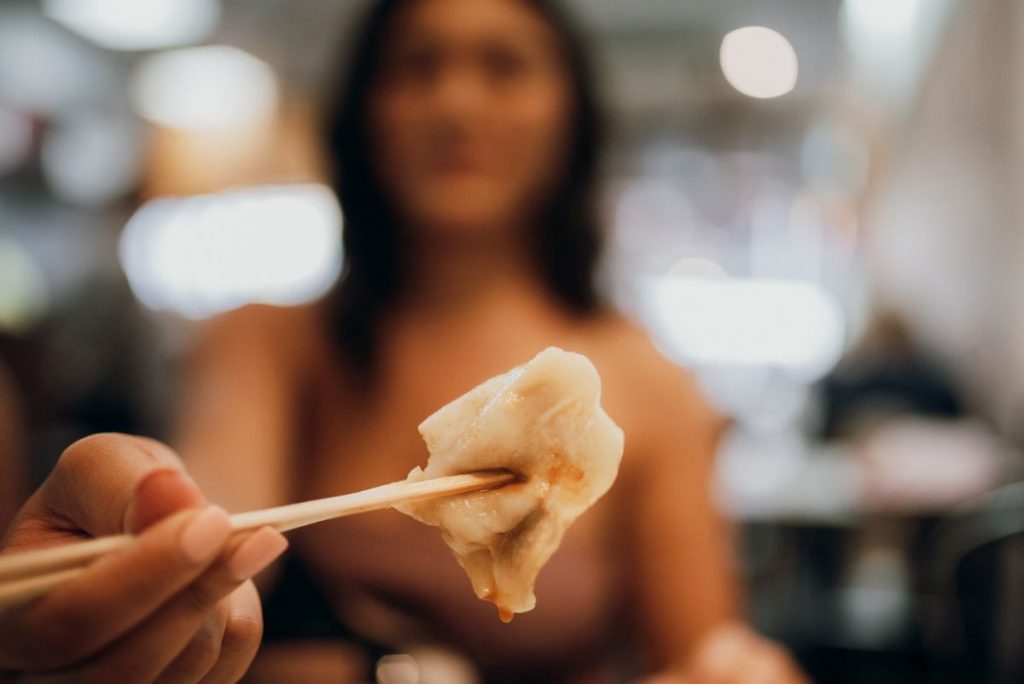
{"x": 33, "y": 573}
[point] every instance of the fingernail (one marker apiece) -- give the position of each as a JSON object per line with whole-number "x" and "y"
{"x": 158, "y": 494}
{"x": 205, "y": 534}
{"x": 256, "y": 553}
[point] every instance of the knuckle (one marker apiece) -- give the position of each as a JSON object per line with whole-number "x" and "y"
{"x": 83, "y": 454}
{"x": 242, "y": 635}
{"x": 241, "y": 641}
{"x": 202, "y": 651}
{"x": 86, "y": 447}
{"x": 200, "y": 597}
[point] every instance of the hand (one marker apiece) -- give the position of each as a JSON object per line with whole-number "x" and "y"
{"x": 734, "y": 654}
{"x": 177, "y": 606}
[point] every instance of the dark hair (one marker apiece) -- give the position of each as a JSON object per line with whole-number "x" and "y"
{"x": 567, "y": 239}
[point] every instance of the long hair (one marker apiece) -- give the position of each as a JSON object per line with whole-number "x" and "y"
{"x": 566, "y": 240}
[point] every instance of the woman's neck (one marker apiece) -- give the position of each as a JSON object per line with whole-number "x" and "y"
{"x": 452, "y": 276}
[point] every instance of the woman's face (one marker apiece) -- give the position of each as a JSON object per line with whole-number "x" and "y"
{"x": 469, "y": 115}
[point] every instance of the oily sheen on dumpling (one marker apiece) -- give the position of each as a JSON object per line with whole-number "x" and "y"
{"x": 542, "y": 420}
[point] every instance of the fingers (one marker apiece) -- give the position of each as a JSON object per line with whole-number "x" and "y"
{"x": 181, "y": 642}
{"x": 158, "y": 495}
{"x": 735, "y": 655}
{"x": 115, "y": 593}
{"x": 200, "y": 654}
{"x": 97, "y": 485}
{"x": 241, "y": 638}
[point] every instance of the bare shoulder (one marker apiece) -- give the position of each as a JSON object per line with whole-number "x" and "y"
{"x": 656, "y": 397}
{"x": 625, "y": 352}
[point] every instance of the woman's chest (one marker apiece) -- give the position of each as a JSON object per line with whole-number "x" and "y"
{"x": 358, "y": 438}
{"x": 355, "y": 445}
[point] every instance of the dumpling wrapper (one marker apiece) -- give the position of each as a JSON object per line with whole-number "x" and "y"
{"x": 544, "y": 421}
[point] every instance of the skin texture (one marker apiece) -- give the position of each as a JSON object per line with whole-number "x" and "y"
{"x": 156, "y": 612}
{"x": 467, "y": 122}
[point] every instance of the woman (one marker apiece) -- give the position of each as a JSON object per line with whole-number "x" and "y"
{"x": 465, "y": 145}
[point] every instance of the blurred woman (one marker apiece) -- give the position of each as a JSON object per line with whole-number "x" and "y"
{"x": 465, "y": 142}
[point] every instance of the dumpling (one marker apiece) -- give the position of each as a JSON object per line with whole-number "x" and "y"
{"x": 543, "y": 421}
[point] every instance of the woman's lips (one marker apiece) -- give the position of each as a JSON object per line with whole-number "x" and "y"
{"x": 459, "y": 163}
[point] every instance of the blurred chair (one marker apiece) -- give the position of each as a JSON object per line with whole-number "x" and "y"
{"x": 973, "y": 618}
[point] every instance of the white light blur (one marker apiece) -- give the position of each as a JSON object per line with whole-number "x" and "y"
{"x": 43, "y": 69}
{"x": 199, "y": 256}
{"x": 879, "y": 17}
{"x": 91, "y": 158}
{"x": 759, "y": 62}
{"x": 136, "y": 24}
{"x": 205, "y": 88}
{"x": 792, "y": 325}
{"x": 15, "y": 139}
{"x": 24, "y": 295}
{"x": 890, "y": 43}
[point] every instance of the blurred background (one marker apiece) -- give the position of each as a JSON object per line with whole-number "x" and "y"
{"x": 815, "y": 204}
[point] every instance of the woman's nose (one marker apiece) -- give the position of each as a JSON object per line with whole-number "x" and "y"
{"x": 459, "y": 91}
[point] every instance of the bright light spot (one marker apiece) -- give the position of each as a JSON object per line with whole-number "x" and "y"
{"x": 136, "y": 24}
{"x": 212, "y": 87}
{"x": 202, "y": 255}
{"x": 867, "y": 18}
{"x": 24, "y": 296}
{"x": 787, "y": 324}
{"x": 759, "y": 62}
{"x": 15, "y": 139}
{"x": 889, "y": 43}
{"x": 91, "y": 158}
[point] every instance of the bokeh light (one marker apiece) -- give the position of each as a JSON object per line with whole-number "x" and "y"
{"x": 135, "y": 24}
{"x": 759, "y": 62}
{"x": 91, "y": 157}
{"x": 24, "y": 297}
{"x": 792, "y": 325}
{"x": 212, "y": 87}
{"x": 198, "y": 256}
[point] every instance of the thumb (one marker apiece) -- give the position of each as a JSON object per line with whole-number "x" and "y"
{"x": 158, "y": 495}
{"x": 110, "y": 483}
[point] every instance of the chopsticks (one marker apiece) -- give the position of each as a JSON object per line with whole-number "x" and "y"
{"x": 33, "y": 573}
